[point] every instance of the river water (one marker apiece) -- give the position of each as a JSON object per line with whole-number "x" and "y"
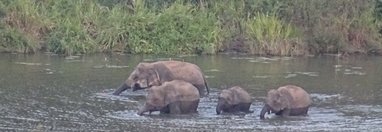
{"x": 46, "y": 92}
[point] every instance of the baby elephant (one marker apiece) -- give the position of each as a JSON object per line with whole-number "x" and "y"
{"x": 173, "y": 97}
{"x": 287, "y": 100}
{"x": 234, "y": 99}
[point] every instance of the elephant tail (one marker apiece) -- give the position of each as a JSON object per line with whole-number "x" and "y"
{"x": 205, "y": 84}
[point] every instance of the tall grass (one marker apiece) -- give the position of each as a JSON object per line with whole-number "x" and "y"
{"x": 21, "y": 26}
{"x": 267, "y": 27}
{"x": 72, "y": 31}
{"x": 271, "y": 36}
{"x": 335, "y": 26}
{"x": 85, "y": 26}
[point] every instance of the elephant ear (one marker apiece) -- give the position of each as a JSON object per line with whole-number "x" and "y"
{"x": 228, "y": 96}
{"x": 274, "y": 100}
{"x": 236, "y": 97}
{"x": 169, "y": 93}
{"x": 155, "y": 96}
{"x": 271, "y": 97}
{"x": 240, "y": 95}
{"x": 129, "y": 81}
{"x": 286, "y": 98}
{"x": 155, "y": 79}
{"x": 164, "y": 74}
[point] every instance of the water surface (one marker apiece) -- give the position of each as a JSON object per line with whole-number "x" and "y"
{"x": 51, "y": 93}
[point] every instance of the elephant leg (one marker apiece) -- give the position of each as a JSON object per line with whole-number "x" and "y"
{"x": 299, "y": 111}
{"x": 279, "y": 112}
{"x": 189, "y": 106}
{"x": 233, "y": 108}
{"x": 228, "y": 108}
{"x": 194, "y": 106}
{"x": 244, "y": 107}
{"x": 174, "y": 108}
{"x": 286, "y": 112}
{"x": 165, "y": 110}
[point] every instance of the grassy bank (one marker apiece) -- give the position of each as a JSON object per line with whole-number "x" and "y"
{"x": 266, "y": 27}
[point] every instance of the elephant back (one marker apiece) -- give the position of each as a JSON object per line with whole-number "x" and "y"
{"x": 184, "y": 71}
{"x": 240, "y": 95}
{"x": 297, "y": 96}
{"x": 179, "y": 90}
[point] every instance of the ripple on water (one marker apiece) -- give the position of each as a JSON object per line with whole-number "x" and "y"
{"x": 290, "y": 75}
{"x": 212, "y": 70}
{"x": 350, "y": 70}
{"x": 258, "y": 76}
{"x": 312, "y": 74}
{"x": 72, "y": 57}
{"x": 110, "y": 96}
{"x": 371, "y": 111}
{"x": 269, "y": 59}
{"x": 206, "y": 76}
{"x": 110, "y": 66}
{"x": 326, "y": 99}
{"x": 126, "y": 115}
{"x": 242, "y": 58}
{"x": 31, "y": 64}
{"x": 162, "y": 59}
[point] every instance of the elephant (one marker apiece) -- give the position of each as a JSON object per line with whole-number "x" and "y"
{"x": 288, "y": 100}
{"x": 234, "y": 99}
{"x": 146, "y": 75}
{"x": 173, "y": 97}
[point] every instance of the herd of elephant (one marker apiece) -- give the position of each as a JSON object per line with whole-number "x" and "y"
{"x": 175, "y": 87}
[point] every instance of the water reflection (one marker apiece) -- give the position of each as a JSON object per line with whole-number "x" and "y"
{"x": 53, "y": 93}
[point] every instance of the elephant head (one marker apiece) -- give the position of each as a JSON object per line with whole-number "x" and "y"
{"x": 225, "y": 100}
{"x": 155, "y": 101}
{"x": 144, "y": 76}
{"x": 276, "y": 102}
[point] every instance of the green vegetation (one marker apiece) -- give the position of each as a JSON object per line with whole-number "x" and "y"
{"x": 265, "y": 27}
{"x": 271, "y": 36}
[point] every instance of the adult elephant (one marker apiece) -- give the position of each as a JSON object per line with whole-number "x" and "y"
{"x": 289, "y": 100}
{"x": 146, "y": 75}
{"x": 173, "y": 97}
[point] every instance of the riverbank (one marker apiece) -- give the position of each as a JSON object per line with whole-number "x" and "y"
{"x": 262, "y": 27}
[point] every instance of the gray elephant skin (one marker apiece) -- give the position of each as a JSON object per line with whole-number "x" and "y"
{"x": 146, "y": 75}
{"x": 233, "y": 100}
{"x": 173, "y": 97}
{"x": 289, "y": 100}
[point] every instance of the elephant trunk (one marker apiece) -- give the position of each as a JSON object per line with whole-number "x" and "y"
{"x": 122, "y": 88}
{"x": 265, "y": 109}
{"x": 219, "y": 107}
